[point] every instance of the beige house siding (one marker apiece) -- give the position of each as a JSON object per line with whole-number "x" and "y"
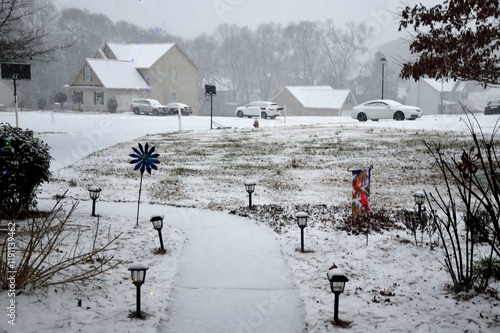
{"x": 293, "y": 106}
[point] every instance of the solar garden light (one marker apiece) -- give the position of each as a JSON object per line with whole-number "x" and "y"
{"x": 302, "y": 222}
{"x": 138, "y": 272}
{"x": 94, "y": 192}
{"x": 419, "y": 200}
{"x": 337, "y": 280}
{"x": 250, "y": 187}
{"x": 158, "y": 225}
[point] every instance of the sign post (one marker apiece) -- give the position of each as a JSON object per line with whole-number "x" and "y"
{"x": 16, "y": 72}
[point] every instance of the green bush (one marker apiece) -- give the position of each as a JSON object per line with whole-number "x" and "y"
{"x": 24, "y": 165}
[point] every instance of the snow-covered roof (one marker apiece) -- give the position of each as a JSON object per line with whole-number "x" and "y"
{"x": 441, "y": 85}
{"x": 324, "y": 97}
{"x": 141, "y": 55}
{"x": 116, "y": 74}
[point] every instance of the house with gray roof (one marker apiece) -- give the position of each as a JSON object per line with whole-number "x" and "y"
{"x": 126, "y": 71}
{"x": 315, "y": 100}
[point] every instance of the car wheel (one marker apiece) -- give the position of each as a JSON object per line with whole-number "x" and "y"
{"x": 155, "y": 112}
{"x": 374, "y": 119}
{"x": 263, "y": 115}
{"x": 136, "y": 111}
{"x": 362, "y": 116}
{"x": 399, "y": 116}
{"x": 273, "y": 117}
{"x": 239, "y": 114}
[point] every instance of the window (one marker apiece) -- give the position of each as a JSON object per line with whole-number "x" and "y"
{"x": 175, "y": 76}
{"x": 173, "y": 97}
{"x": 98, "y": 97}
{"x": 87, "y": 75}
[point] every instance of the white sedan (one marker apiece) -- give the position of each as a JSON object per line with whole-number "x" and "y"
{"x": 385, "y": 109}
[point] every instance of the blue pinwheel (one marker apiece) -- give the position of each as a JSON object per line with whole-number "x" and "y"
{"x": 144, "y": 159}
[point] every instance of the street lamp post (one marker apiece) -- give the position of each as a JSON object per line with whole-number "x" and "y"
{"x": 383, "y": 61}
{"x": 419, "y": 200}
{"x": 337, "y": 280}
{"x": 158, "y": 225}
{"x": 138, "y": 273}
{"x": 302, "y": 223}
{"x": 94, "y": 192}
{"x": 250, "y": 188}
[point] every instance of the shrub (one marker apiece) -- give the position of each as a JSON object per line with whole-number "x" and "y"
{"x": 24, "y": 165}
{"x": 112, "y": 104}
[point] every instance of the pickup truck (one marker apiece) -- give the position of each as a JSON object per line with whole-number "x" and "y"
{"x": 259, "y": 109}
{"x": 148, "y": 106}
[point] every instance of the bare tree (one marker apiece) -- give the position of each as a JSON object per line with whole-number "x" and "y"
{"x": 23, "y": 30}
{"x": 341, "y": 48}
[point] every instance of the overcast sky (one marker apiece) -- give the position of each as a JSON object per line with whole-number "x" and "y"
{"x": 190, "y": 18}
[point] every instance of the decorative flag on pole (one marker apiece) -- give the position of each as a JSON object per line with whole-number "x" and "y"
{"x": 361, "y": 191}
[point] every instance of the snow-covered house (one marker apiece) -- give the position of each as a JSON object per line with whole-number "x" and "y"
{"x": 127, "y": 71}
{"x": 444, "y": 97}
{"x": 6, "y": 94}
{"x": 315, "y": 100}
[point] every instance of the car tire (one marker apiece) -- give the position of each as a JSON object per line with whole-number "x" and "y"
{"x": 136, "y": 111}
{"x": 155, "y": 112}
{"x": 239, "y": 114}
{"x": 362, "y": 116}
{"x": 273, "y": 117}
{"x": 399, "y": 116}
{"x": 374, "y": 119}
{"x": 263, "y": 115}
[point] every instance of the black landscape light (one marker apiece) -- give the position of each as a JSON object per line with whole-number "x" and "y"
{"x": 94, "y": 193}
{"x": 302, "y": 223}
{"x": 337, "y": 280}
{"x": 419, "y": 200}
{"x": 138, "y": 273}
{"x": 250, "y": 187}
{"x": 158, "y": 225}
{"x": 383, "y": 61}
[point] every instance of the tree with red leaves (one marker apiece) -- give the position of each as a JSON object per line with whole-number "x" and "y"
{"x": 459, "y": 39}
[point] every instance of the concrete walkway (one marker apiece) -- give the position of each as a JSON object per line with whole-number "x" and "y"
{"x": 231, "y": 278}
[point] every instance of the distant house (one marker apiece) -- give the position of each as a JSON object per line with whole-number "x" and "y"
{"x": 442, "y": 97}
{"x": 6, "y": 94}
{"x": 315, "y": 100}
{"x": 127, "y": 71}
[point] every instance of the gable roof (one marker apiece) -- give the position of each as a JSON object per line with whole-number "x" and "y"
{"x": 444, "y": 85}
{"x": 141, "y": 55}
{"x": 324, "y": 97}
{"x": 116, "y": 74}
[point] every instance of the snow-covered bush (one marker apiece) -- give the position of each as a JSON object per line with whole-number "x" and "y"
{"x": 112, "y": 104}
{"x": 24, "y": 165}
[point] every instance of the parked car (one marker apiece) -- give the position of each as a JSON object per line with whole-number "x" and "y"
{"x": 385, "y": 109}
{"x": 148, "y": 106}
{"x": 173, "y": 108}
{"x": 493, "y": 107}
{"x": 259, "y": 109}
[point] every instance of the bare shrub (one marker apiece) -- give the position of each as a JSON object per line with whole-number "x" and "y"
{"x": 36, "y": 255}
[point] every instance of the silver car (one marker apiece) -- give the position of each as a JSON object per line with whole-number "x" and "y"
{"x": 385, "y": 109}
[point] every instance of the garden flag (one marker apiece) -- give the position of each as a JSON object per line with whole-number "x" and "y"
{"x": 361, "y": 191}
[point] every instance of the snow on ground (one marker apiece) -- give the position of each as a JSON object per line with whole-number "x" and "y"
{"x": 393, "y": 285}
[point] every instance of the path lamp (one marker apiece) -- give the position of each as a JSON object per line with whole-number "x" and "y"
{"x": 383, "y": 61}
{"x": 419, "y": 200}
{"x": 250, "y": 187}
{"x": 94, "y": 192}
{"x": 337, "y": 280}
{"x": 302, "y": 222}
{"x": 138, "y": 272}
{"x": 158, "y": 225}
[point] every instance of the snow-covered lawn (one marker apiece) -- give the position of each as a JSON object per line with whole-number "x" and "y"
{"x": 393, "y": 285}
